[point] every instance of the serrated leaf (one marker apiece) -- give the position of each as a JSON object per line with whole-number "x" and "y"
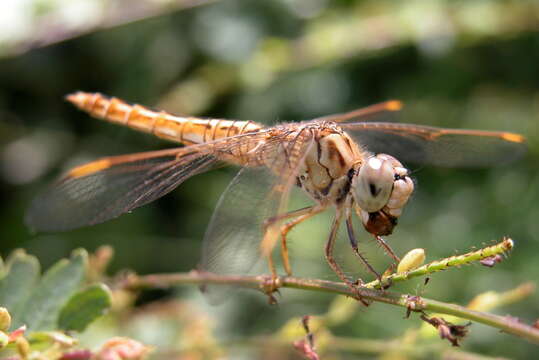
{"x": 15, "y": 287}
{"x": 55, "y": 288}
{"x": 84, "y": 307}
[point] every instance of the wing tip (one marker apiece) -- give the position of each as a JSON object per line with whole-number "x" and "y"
{"x": 513, "y": 137}
{"x": 394, "y": 105}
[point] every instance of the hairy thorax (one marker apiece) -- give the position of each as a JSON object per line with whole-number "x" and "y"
{"x": 325, "y": 174}
{"x": 325, "y": 162}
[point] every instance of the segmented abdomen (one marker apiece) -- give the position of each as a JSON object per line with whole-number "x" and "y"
{"x": 186, "y": 130}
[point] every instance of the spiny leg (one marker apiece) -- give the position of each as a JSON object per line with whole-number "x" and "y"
{"x": 270, "y": 288}
{"x": 387, "y": 248}
{"x": 329, "y": 249}
{"x": 271, "y": 285}
{"x": 353, "y": 242}
{"x": 331, "y": 261}
{"x": 280, "y": 217}
{"x": 287, "y": 227}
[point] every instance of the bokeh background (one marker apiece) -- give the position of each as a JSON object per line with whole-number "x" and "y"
{"x": 464, "y": 64}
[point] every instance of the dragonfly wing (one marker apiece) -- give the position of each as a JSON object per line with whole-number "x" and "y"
{"x": 375, "y": 112}
{"x": 106, "y": 188}
{"x": 438, "y": 146}
{"x": 235, "y": 239}
{"x": 232, "y": 241}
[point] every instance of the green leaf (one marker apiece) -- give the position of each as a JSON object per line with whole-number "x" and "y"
{"x": 15, "y": 287}
{"x": 56, "y": 286}
{"x": 42, "y": 338}
{"x": 2, "y": 268}
{"x": 84, "y": 307}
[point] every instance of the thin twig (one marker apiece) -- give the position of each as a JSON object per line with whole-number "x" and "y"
{"x": 411, "y": 303}
{"x": 502, "y": 247}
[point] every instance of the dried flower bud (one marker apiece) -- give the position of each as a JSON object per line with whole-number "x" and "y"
{"x": 412, "y": 260}
{"x": 453, "y": 333}
{"x": 5, "y": 319}
{"x": 491, "y": 260}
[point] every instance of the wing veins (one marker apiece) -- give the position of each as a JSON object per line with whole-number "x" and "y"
{"x": 162, "y": 175}
{"x": 432, "y": 133}
{"x": 438, "y": 146}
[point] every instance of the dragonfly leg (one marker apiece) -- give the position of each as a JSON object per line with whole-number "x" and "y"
{"x": 272, "y": 285}
{"x": 267, "y": 227}
{"x": 387, "y": 248}
{"x": 280, "y": 217}
{"x": 353, "y": 242}
{"x": 329, "y": 249}
{"x": 272, "y": 221}
{"x": 331, "y": 260}
{"x": 285, "y": 229}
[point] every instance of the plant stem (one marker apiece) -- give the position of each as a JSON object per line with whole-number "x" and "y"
{"x": 412, "y": 303}
{"x": 415, "y": 303}
{"x": 502, "y": 247}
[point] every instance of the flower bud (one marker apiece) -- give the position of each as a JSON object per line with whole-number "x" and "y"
{"x": 412, "y": 260}
{"x": 5, "y": 319}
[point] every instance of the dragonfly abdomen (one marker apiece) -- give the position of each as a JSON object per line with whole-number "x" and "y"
{"x": 186, "y": 130}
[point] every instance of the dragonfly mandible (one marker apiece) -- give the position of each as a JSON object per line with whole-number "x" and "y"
{"x": 340, "y": 161}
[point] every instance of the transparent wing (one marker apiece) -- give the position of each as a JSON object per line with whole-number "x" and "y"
{"x": 235, "y": 240}
{"x": 438, "y": 146}
{"x": 106, "y": 188}
{"x": 232, "y": 241}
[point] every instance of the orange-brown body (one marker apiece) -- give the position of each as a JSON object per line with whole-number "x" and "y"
{"x": 320, "y": 156}
{"x": 323, "y": 171}
{"x": 185, "y": 130}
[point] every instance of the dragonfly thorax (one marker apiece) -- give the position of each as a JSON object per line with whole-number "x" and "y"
{"x": 327, "y": 167}
{"x": 336, "y": 169}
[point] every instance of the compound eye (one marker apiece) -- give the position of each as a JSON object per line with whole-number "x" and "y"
{"x": 373, "y": 184}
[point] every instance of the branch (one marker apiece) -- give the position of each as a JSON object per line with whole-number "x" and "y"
{"x": 500, "y": 248}
{"x": 411, "y": 303}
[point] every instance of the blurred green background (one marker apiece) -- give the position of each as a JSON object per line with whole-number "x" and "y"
{"x": 465, "y": 64}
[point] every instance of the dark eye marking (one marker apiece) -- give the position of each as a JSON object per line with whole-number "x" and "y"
{"x": 374, "y": 191}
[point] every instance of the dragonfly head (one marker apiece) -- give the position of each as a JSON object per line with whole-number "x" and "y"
{"x": 380, "y": 189}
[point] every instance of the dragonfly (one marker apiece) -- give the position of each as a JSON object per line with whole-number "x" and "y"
{"x": 349, "y": 162}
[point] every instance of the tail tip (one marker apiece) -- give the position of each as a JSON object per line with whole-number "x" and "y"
{"x": 77, "y": 98}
